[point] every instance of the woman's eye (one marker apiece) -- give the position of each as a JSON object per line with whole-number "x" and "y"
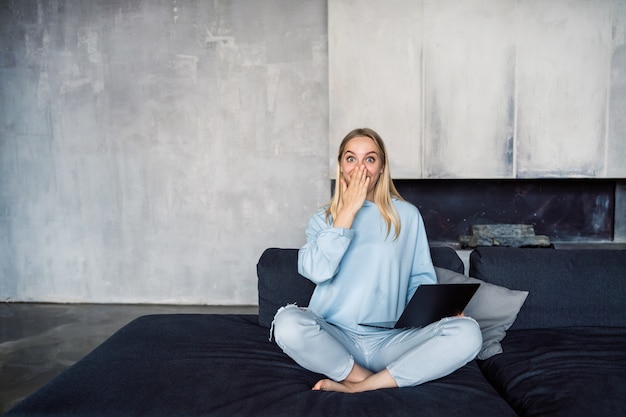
{"x": 371, "y": 160}
{"x": 350, "y": 159}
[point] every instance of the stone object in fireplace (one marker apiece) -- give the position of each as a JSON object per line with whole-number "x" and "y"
{"x": 515, "y": 235}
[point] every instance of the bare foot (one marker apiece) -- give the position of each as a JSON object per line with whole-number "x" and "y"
{"x": 382, "y": 379}
{"x": 330, "y": 385}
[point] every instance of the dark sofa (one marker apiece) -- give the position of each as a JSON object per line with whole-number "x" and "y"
{"x": 564, "y": 356}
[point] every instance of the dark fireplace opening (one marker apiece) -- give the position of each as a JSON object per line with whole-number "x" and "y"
{"x": 565, "y": 210}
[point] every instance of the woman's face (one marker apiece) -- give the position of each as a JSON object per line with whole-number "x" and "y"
{"x": 362, "y": 151}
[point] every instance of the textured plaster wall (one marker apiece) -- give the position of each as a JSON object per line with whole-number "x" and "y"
{"x": 376, "y": 76}
{"x": 151, "y": 150}
{"x": 484, "y": 88}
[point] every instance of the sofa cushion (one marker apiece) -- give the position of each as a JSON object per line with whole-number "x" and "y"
{"x": 582, "y": 287}
{"x": 224, "y": 365}
{"x": 568, "y": 372}
{"x": 493, "y": 307}
{"x": 280, "y": 284}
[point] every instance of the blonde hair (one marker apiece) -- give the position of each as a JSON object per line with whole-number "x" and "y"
{"x": 384, "y": 191}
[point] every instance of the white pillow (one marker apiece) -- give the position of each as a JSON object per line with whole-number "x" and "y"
{"x": 495, "y": 309}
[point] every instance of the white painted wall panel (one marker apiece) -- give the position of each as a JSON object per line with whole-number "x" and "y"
{"x": 616, "y": 152}
{"x": 563, "y": 60}
{"x": 375, "y": 81}
{"x": 513, "y": 88}
{"x": 469, "y": 62}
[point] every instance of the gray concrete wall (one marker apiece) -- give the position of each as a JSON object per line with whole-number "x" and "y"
{"x": 150, "y": 150}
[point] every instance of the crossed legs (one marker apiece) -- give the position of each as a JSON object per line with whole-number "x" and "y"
{"x": 400, "y": 358}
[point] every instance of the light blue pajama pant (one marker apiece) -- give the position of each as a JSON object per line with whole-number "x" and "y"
{"x": 412, "y": 356}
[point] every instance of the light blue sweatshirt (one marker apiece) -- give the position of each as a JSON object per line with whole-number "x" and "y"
{"x": 363, "y": 275}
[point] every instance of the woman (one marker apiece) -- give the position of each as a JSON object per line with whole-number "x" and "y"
{"x": 367, "y": 252}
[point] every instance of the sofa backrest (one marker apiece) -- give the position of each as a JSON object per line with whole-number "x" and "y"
{"x": 280, "y": 284}
{"x": 578, "y": 287}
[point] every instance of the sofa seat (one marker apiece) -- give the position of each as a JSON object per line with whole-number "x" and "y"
{"x": 225, "y": 365}
{"x": 569, "y": 372}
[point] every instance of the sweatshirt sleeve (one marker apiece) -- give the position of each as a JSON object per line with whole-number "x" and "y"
{"x": 319, "y": 258}
{"x": 422, "y": 270}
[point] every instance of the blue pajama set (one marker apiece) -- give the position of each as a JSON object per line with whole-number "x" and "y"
{"x": 363, "y": 275}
